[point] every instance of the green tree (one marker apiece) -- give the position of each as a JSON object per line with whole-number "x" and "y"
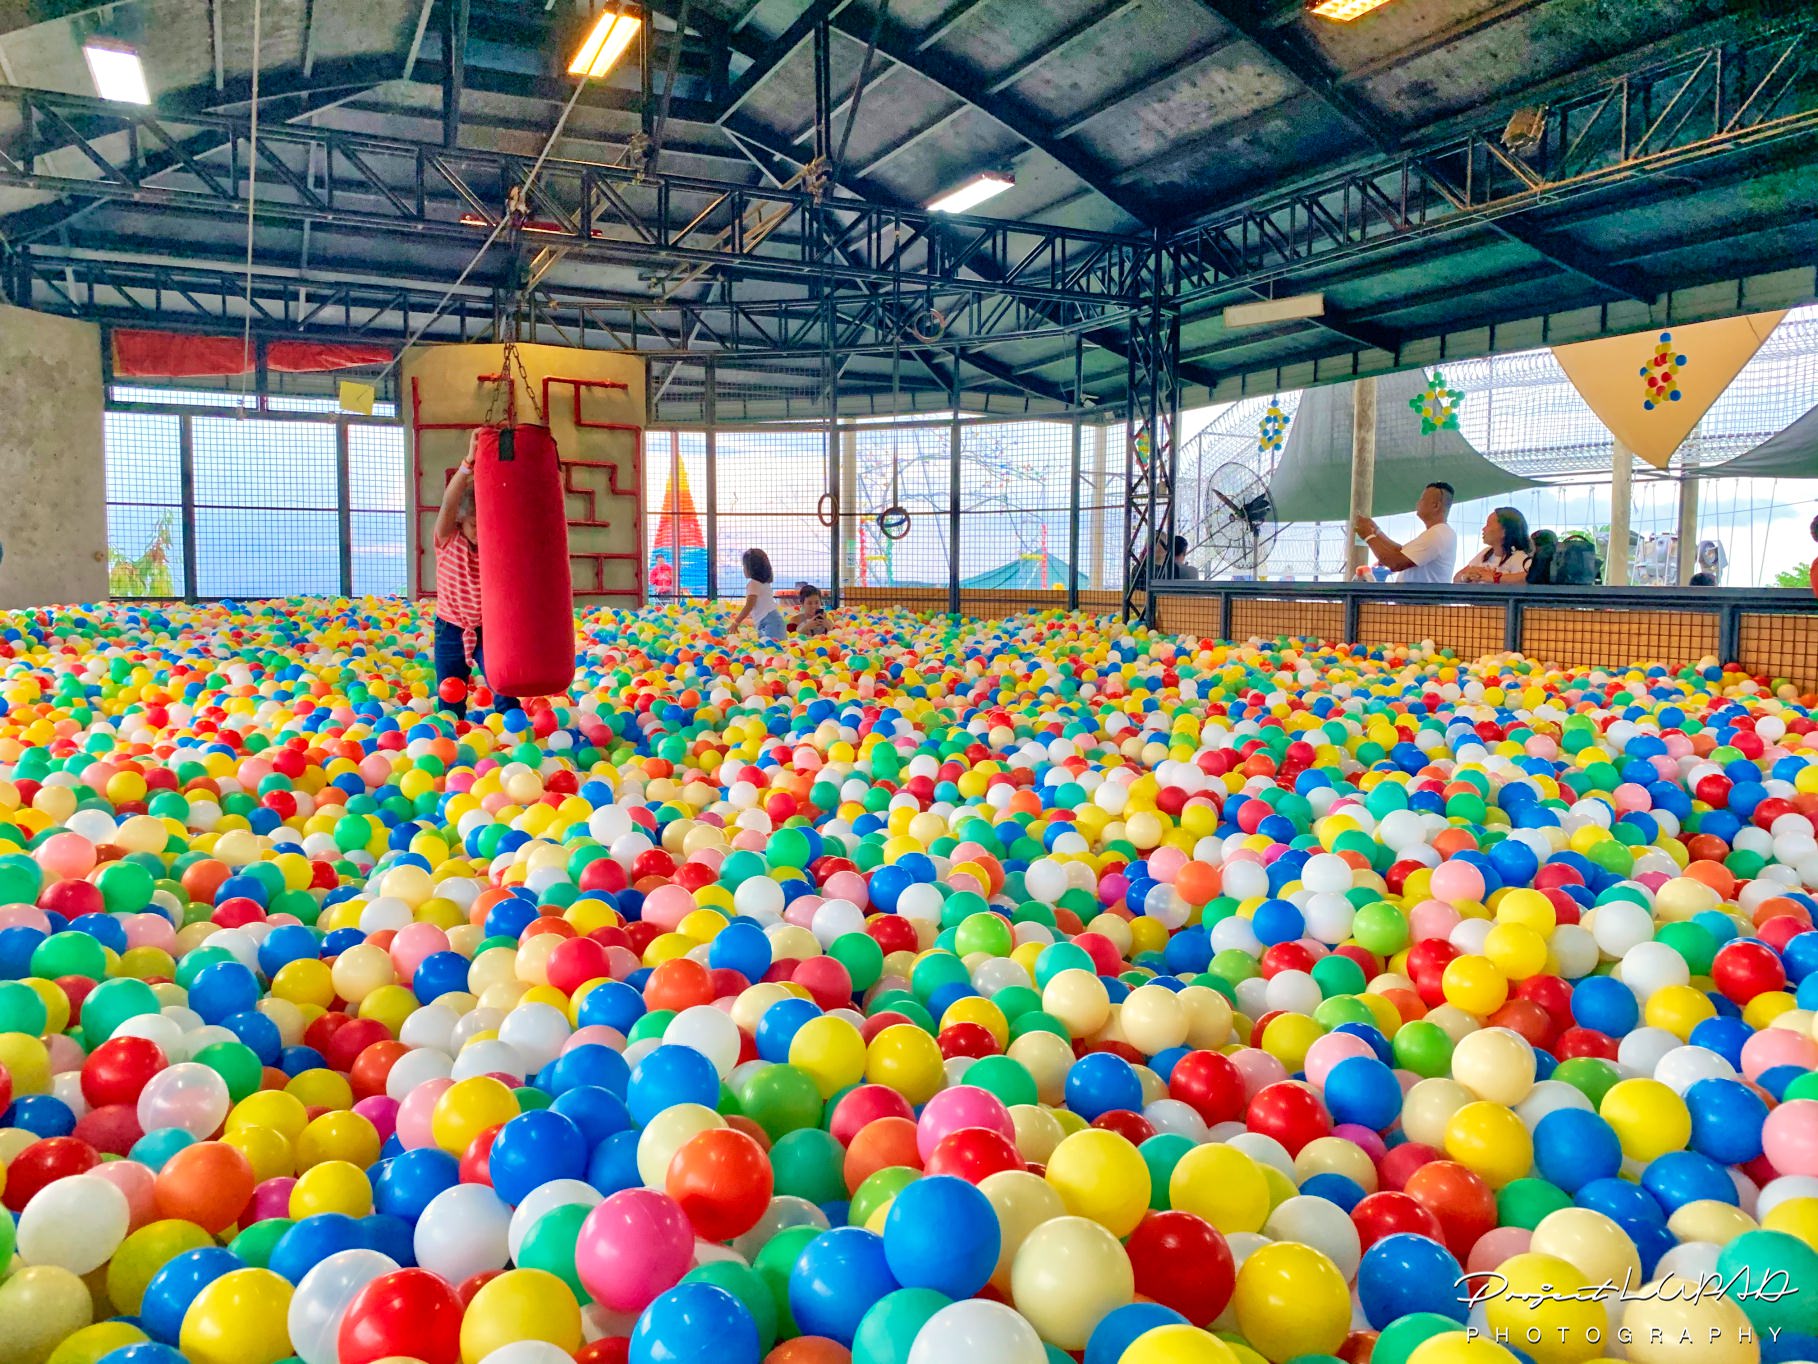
{"x": 148, "y": 575}
{"x": 1799, "y": 575}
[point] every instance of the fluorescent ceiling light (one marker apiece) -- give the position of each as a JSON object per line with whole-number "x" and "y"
{"x": 611, "y": 35}
{"x": 973, "y": 193}
{"x": 1267, "y": 310}
{"x": 1344, "y": 11}
{"x": 117, "y": 72}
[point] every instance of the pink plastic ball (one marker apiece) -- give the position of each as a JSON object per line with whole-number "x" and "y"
{"x": 961, "y": 1106}
{"x": 415, "y": 1112}
{"x": 1457, "y": 882}
{"x": 1789, "y": 1138}
{"x": 632, "y": 1247}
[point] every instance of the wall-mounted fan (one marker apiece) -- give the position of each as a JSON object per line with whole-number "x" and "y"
{"x": 1238, "y": 525}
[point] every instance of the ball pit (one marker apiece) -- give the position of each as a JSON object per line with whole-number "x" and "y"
{"x": 1017, "y": 991}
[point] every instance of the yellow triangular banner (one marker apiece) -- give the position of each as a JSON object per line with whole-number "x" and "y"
{"x": 356, "y": 397}
{"x": 1651, "y": 388}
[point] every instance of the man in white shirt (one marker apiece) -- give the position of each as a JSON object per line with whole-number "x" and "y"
{"x": 1429, "y": 556}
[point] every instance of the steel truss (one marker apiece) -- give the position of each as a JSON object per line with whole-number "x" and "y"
{"x": 672, "y": 226}
{"x": 1724, "y": 97}
{"x": 1151, "y": 455}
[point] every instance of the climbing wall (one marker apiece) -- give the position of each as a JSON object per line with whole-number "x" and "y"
{"x": 594, "y": 403}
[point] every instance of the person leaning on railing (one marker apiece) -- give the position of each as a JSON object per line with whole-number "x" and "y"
{"x": 1507, "y": 552}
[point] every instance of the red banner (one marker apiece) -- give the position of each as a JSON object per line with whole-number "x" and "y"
{"x": 179, "y": 355}
{"x": 310, "y": 357}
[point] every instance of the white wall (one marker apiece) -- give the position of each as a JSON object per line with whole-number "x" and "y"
{"x": 53, "y": 491}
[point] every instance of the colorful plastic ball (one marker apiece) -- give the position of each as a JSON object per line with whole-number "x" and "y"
{"x": 1182, "y": 1262}
{"x": 1290, "y": 1300}
{"x": 977, "y": 1329}
{"x": 240, "y": 1318}
{"x": 1101, "y": 1176}
{"x": 520, "y": 1305}
{"x": 1068, "y": 1274}
{"x": 942, "y": 1233}
{"x": 1407, "y": 1273}
{"x": 839, "y": 1275}
{"x": 695, "y": 1321}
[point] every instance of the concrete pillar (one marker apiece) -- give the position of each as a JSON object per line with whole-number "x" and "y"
{"x": 53, "y": 530}
{"x": 1688, "y": 525}
{"x": 1095, "y": 540}
{"x": 1622, "y": 469}
{"x": 1363, "y": 470}
{"x": 852, "y": 507}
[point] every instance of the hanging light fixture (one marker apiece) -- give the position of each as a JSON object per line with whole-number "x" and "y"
{"x": 987, "y": 185}
{"x": 1344, "y": 11}
{"x": 116, "y": 70}
{"x": 609, "y": 38}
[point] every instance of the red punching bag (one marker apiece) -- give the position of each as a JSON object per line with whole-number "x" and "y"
{"x": 526, "y": 592}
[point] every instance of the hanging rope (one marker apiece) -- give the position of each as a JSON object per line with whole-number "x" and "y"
{"x": 252, "y": 195}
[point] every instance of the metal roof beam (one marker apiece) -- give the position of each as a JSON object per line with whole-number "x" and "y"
{"x": 454, "y": 68}
{"x": 772, "y": 55}
{"x": 1567, "y": 256}
{"x": 1059, "y": 42}
{"x": 1289, "y": 49}
{"x": 898, "y": 44}
{"x": 952, "y": 19}
{"x": 1154, "y": 80}
{"x": 920, "y": 135}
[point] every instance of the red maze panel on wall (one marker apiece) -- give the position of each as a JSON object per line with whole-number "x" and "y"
{"x": 601, "y": 478}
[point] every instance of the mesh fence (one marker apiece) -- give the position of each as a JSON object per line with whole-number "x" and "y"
{"x": 379, "y": 501}
{"x": 770, "y": 488}
{"x": 145, "y": 534}
{"x": 266, "y": 515}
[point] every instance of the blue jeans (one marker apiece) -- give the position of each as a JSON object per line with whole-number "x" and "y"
{"x": 451, "y": 661}
{"x": 772, "y": 627}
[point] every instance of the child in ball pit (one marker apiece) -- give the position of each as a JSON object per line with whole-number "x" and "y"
{"x": 457, "y": 644}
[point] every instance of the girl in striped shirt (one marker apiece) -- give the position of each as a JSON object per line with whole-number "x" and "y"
{"x": 457, "y": 620}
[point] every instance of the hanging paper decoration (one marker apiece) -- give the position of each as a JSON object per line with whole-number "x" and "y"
{"x": 1661, "y": 374}
{"x": 1437, "y": 405}
{"x": 1273, "y": 431}
{"x": 1142, "y": 446}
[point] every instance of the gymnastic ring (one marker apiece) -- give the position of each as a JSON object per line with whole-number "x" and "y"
{"x": 893, "y": 522}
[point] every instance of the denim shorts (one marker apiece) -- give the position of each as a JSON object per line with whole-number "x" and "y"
{"x": 772, "y": 627}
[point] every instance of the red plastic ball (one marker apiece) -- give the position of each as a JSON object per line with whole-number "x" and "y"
{"x": 452, "y": 690}
{"x": 1388, "y": 1213}
{"x": 1743, "y": 970}
{"x": 44, "y": 1161}
{"x": 1208, "y": 1083}
{"x": 1291, "y": 1113}
{"x": 476, "y": 1160}
{"x": 576, "y": 962}
{"x": 1181, "y": 1261}
{"x": 1132, "y": 1127}
{"x": 966, "y": 1039}
{"x": 865, "y": 1104}
{"x": 118, "y": 1069}
{"x": 973, "y": 1154}
{"x": 1463, "y": 1205}
{"x": 1399, "y": 1164}
{"x": 723, "y": 1182}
